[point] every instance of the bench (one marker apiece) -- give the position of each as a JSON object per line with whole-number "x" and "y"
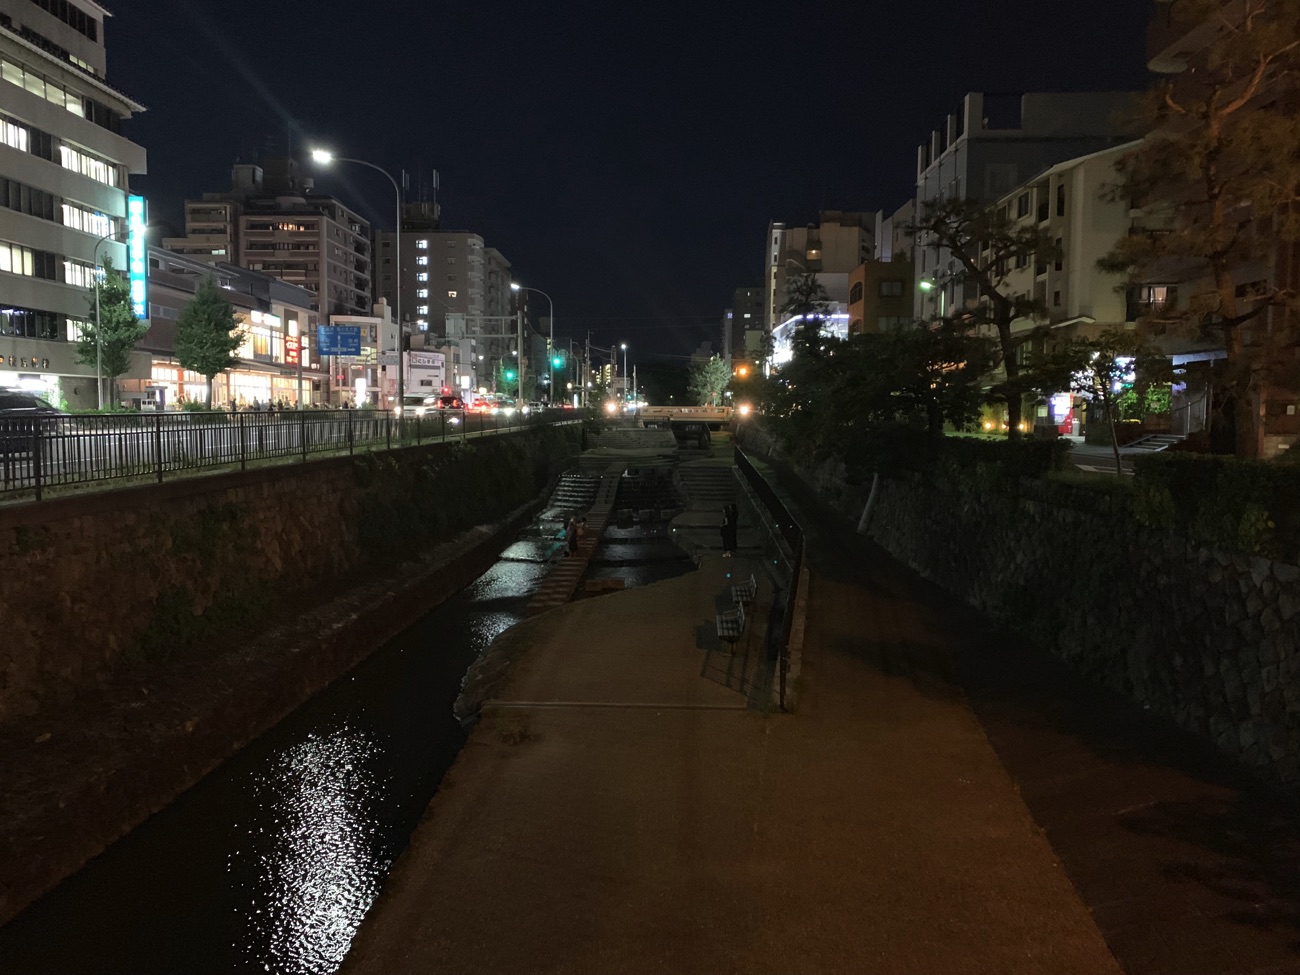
{"x": 743, "y": 593}
{"x": 730, "y": 624}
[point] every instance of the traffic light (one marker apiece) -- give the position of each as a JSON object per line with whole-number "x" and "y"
{"x": 510, "y": 374}
{"x": 557, "y": 360}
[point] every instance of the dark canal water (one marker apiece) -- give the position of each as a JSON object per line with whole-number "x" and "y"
{"x": 270, "y": 863}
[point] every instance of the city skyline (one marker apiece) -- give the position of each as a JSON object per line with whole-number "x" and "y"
{"x": 628, "y": 166}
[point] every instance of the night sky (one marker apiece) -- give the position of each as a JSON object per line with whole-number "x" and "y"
{"x": 625, "y": 157}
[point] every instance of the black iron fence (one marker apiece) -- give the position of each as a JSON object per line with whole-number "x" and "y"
{"x": 37, "y": 454}
{"x": 793, "y": 536}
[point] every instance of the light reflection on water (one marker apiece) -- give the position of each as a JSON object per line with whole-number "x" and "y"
{"x": 271, "y": 862}
{"x": 316, "y": 874}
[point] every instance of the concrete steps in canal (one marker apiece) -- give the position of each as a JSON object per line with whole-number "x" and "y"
{"x": 562, "y": 581}
{"x": 575, "y": 490}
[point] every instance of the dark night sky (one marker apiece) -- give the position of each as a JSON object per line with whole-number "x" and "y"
{"x": 625, "y": 157}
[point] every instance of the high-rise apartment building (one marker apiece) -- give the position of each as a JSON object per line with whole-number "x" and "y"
{"x": 272, "y": 220}
{"x": 64, "y": 168}
{"x": 991, "y": 145}
{"x": 450, "y": 273}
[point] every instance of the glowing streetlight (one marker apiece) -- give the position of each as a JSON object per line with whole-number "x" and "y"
{"x": 550, "y": 307}
{"x": 324, "y": 157}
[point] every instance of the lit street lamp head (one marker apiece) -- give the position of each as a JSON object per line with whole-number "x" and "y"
{"x": 515, "y": 286}
{"x": 322, "y": 156}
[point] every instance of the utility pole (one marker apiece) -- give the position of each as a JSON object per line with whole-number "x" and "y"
{"x": 586, "y": 380}
{"x": 519, "y": 390}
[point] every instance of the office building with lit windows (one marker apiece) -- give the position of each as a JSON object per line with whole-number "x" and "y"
{"x": 272, "y": 220}
{"x": 450, "y": 275}
{"x": 64, "y": 198}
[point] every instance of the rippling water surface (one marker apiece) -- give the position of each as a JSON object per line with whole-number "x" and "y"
{"x": 270, "y": 863}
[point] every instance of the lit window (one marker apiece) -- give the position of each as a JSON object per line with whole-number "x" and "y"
{"x": 76, "y": 273}
{"x": 421, "y": 292}
{"x": 92, "y": 223}
{"x": 16, "y": 260}
{"x": 422, "y": 276}
{"x": 422, "y": 245}
{"x": 422, "y": 309}
{"x": 422, "y": 260}
{"x": 451, "y": 294}
{"x": 87, "y": 165}
{"x": 13, "y": 135}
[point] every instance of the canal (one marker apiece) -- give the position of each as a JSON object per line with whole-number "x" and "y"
{"x": 270, "y": 863}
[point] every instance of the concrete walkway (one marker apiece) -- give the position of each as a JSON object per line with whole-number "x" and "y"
{"x": 946, "y": 800}
{"x": 621, "y": 810}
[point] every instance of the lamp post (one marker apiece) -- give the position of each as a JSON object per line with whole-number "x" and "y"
{"x": 626, "y": 374}
{"x": 99, "y": 343}
{"x": 550, "y": 341}
{"x": 324, "y": 158}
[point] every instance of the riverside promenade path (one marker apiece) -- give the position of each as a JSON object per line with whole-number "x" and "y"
{"x": 941, "y": 803}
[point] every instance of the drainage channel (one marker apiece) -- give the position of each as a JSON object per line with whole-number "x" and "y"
{"x": 270, "y": 863}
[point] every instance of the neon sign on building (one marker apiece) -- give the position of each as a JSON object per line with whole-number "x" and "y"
{"x": 137, "y": 255}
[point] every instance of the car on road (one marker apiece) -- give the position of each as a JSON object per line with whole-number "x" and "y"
{"x": 22, "y": 413}
{"x": 422, "y": 405}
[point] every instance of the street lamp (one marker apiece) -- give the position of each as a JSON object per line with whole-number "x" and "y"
{"x": 325, "y": 158}
{"x": 626, "y": 375}
{"x": 550, "y": 307}
{"x": 99, "y": 344}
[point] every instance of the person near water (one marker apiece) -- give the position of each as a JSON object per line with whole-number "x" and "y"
{"x": 571, "y": 536}
{"x": 730, "y": 520}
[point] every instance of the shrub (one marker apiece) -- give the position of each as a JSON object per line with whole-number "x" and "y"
{"x": 1245, "y": 505}
{"x": 1012, "y": 458}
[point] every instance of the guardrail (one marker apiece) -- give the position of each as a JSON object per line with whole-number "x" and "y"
{"x": 37, "y": 454}
{"x": 793, "y": 536}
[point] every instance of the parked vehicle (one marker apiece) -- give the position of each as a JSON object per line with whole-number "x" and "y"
{"x": 22, "y": 413}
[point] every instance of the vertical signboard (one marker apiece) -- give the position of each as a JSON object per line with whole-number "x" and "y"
{"x": 137, "y": 255}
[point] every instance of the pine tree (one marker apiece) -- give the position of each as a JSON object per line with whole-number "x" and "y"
{"x": 207, "y": 334}
{"x": 108, "y": 348}
{"x": 1218, "y": 184}
{"x": 986, "y": 246}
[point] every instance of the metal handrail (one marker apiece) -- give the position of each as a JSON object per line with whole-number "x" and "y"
{"x": 793, "y": 534}
{"x": 38, "y": 453}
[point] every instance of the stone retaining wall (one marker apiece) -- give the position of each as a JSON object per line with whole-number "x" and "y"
{"x": 147, "y": 573}
{"x": 1207, "y": 638}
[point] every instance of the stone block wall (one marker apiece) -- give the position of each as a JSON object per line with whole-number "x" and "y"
{"x": 146, "y": 573}
{"x": 1205, "y": 637}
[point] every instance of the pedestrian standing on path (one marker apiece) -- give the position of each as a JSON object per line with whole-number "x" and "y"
{"x": 571, "y": 536}
{"x": 730, "y": 517}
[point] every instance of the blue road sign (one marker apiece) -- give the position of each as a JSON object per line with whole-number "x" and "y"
{"x": 338, "y": 339}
